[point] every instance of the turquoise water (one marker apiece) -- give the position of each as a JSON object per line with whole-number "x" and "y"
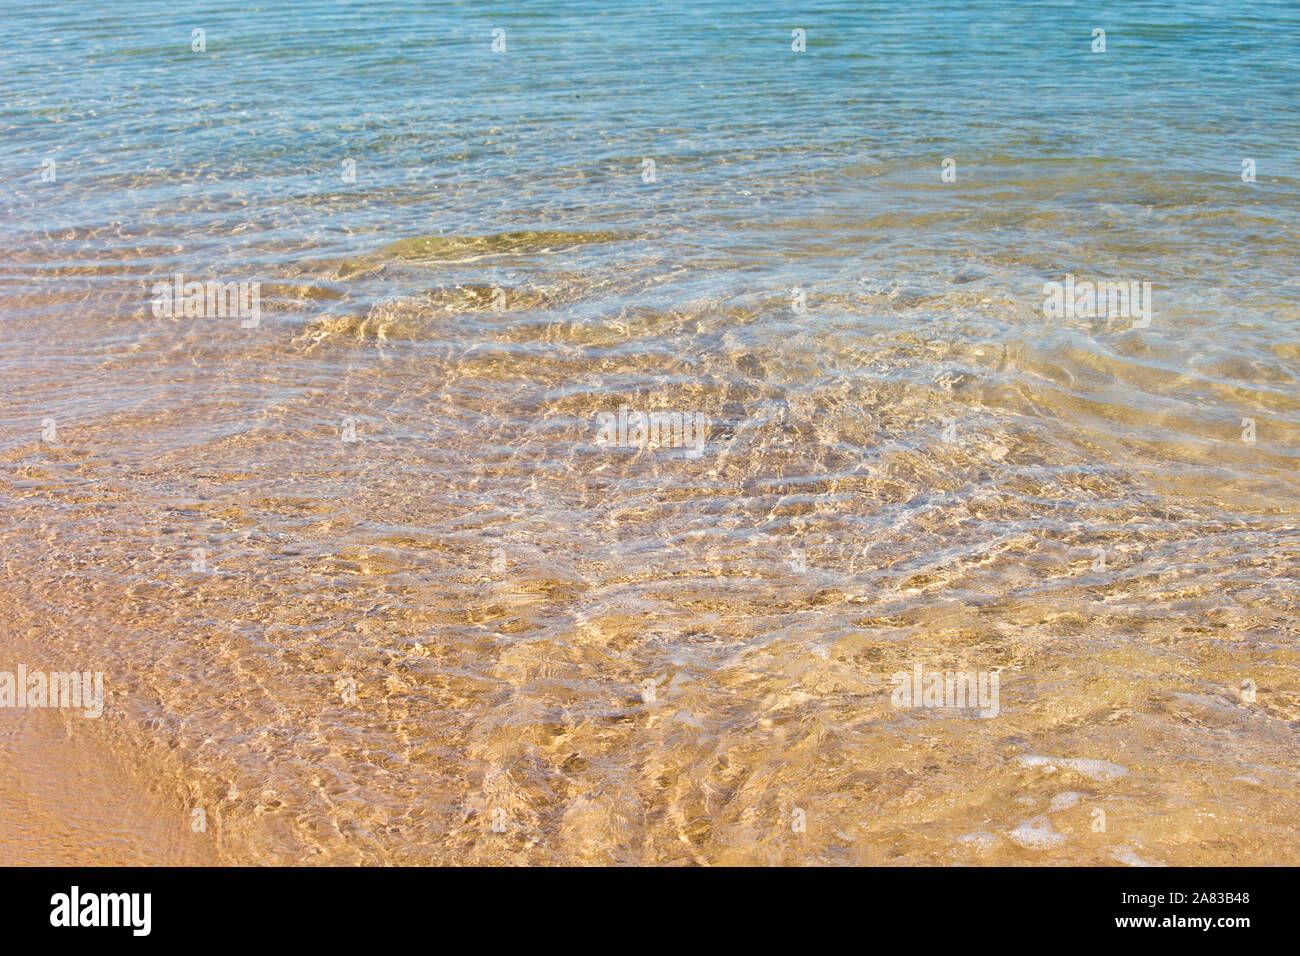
{"x": 395, "y": 475}
{"x": 234, "y": 155}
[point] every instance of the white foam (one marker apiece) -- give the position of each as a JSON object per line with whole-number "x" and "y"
{"x": 1128, "y": 856}
{"x": 1063, "y": 801}
{"x": 1037, "y": 833}
{"x": 1092, "y": 769}
{"x": 980, "y": 840}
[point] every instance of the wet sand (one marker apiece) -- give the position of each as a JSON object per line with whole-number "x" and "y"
{"x": 65, "y": 800}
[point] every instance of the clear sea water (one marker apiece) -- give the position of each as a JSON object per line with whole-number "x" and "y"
{"x": 366, "y": 588}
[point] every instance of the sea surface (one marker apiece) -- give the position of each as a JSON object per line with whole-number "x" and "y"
{"x": 369, "y": 584}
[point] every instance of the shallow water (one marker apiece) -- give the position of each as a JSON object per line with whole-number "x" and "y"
{"x": 429, "y": 599}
